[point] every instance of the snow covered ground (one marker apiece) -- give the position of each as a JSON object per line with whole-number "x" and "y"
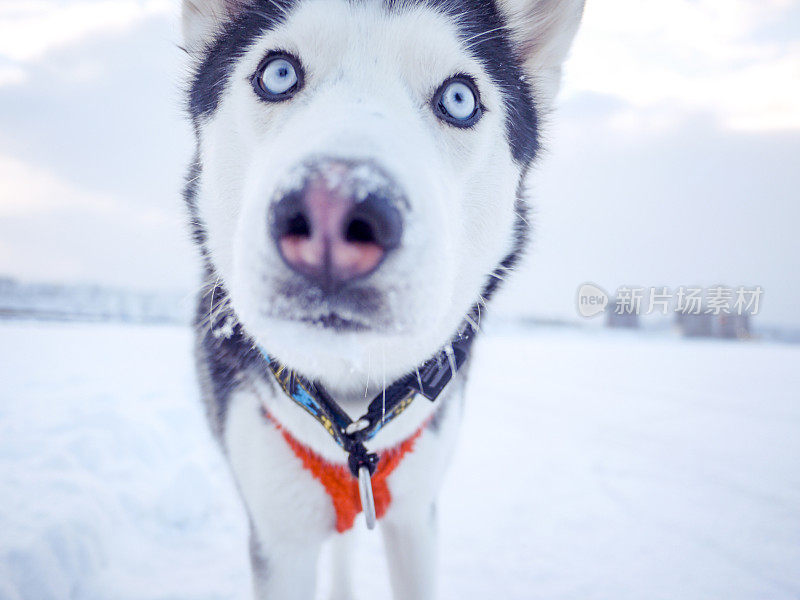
{"x": 591, "y": 466}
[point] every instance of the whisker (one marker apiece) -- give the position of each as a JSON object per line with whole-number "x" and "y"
{"x": 483, "y": 33}
{"x": 451, "y": 358}
{"x": 472, "y": 323}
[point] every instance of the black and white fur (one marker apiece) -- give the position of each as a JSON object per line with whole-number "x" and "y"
{"x": 371, "y": 68}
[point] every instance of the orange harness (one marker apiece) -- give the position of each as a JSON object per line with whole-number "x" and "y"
{"x": 340, "y": 484}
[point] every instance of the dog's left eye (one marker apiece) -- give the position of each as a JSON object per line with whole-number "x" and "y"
{"x": 278, "y": 77}
{"x": 457, "y": 102}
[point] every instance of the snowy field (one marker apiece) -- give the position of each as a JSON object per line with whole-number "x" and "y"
{"x": 591, "y": 466}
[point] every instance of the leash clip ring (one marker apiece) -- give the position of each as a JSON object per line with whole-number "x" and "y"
{"x": 367, "y": 499}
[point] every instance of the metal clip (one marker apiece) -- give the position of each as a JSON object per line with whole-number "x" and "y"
{"x": 367, "y": 500}
{"x": 357, "y": 426}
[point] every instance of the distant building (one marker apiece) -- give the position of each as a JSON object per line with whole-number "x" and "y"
{"x": 695, "y": 324}
{"x": 703, "y": 324}
{"x": 733, "y": 326}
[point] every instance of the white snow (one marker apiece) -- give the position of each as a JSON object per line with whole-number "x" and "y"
{"x": 591, "y": 465}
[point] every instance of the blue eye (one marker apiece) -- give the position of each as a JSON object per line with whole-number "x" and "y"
{"x": 278, "y": 78}
{"x": 457, "y": 103}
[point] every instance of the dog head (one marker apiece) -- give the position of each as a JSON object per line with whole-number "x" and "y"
{"x": 360, "y": 163}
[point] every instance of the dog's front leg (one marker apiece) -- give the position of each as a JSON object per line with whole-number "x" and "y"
{"x": 287, "y": 572}
{"x": 410, "y": 540}
{"x": 290, "y": 513}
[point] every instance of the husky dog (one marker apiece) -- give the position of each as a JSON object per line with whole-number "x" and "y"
{"x": 356, "y": 196}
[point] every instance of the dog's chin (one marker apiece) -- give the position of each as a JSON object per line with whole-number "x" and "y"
{"x": 343, "y": 352}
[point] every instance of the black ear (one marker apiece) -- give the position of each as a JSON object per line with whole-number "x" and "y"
{"x": 202, "y": 18}
{"x": 543, "y": 31}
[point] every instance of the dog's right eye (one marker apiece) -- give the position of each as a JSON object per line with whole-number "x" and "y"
{"x": 278, "y": 77}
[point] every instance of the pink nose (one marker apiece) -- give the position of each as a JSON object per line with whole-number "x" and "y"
{"x": 331, "y": 231}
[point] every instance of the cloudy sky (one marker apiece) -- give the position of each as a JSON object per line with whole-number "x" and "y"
{"x": 673, "y": 158}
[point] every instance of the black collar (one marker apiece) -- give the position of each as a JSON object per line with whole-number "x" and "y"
{"x": 428, "y": 380}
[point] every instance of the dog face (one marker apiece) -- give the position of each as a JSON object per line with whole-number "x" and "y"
{"x": 360, "y": 165}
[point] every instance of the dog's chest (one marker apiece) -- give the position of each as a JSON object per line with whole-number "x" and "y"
{"x": 282, "y": 471}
